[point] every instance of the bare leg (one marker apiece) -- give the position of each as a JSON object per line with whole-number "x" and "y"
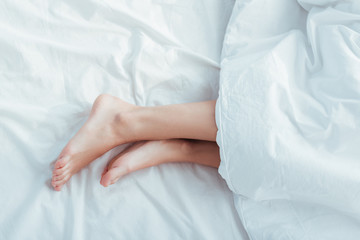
{"x": 151, "y": 153}
{"x": 189, "y": 120}
{"x": 113, "y": 122}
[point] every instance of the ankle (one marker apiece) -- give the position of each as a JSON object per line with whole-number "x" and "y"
{"x": 180, "y": 150}
{"x": 126, "y": 126}
{"x": 186, "y": 147}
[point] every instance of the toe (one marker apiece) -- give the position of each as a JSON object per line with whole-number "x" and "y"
{"x": 58, "y": 180}
{"x": 112, "y": 176}
{"x": 106, "y": 179}
{"x": 58, "y": 177}
{"x": 61, "y": 162}
{"x": 106, "y": 169}
{"x": 58, "y": 184}
{"x": 59, "y": 174}
{"x": 59, "y": 171}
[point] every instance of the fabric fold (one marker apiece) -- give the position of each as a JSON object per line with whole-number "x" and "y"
{"x": 289, "y": 113}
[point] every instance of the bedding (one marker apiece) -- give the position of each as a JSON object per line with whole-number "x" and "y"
{"x": 288, "y": 115}
{"x": 56, "y": 57}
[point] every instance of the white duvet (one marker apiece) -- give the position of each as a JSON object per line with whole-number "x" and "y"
{"x": 289, "y": 117}
{"x": 56, "y": 57}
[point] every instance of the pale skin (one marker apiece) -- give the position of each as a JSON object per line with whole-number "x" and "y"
{"x": 172, "y": 133}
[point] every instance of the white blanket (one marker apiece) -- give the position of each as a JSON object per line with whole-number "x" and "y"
{"x": 56, "y": 57}
{"x": 289, "y": 117}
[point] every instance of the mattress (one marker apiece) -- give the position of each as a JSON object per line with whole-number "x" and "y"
{"x": 56, "y": 57}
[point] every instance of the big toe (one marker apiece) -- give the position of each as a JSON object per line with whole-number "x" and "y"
{"x": 106, "y": 169}
{"x": 112, "y": 176}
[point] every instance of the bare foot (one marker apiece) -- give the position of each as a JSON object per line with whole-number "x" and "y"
{"x": 104, "y": 130}
{"x": 142, "y": 155}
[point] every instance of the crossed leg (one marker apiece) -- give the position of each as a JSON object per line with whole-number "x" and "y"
{"x": 113, "y": 122}
{"x": 151, "y": 153}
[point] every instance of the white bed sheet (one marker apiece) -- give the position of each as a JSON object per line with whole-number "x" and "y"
{"x": 55, "y": 58}
{"x": 289, "y": 117}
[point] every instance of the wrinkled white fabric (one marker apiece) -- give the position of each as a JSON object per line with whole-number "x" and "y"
{"x": 289, "y": 117}
{"x": 56, "y": 57}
